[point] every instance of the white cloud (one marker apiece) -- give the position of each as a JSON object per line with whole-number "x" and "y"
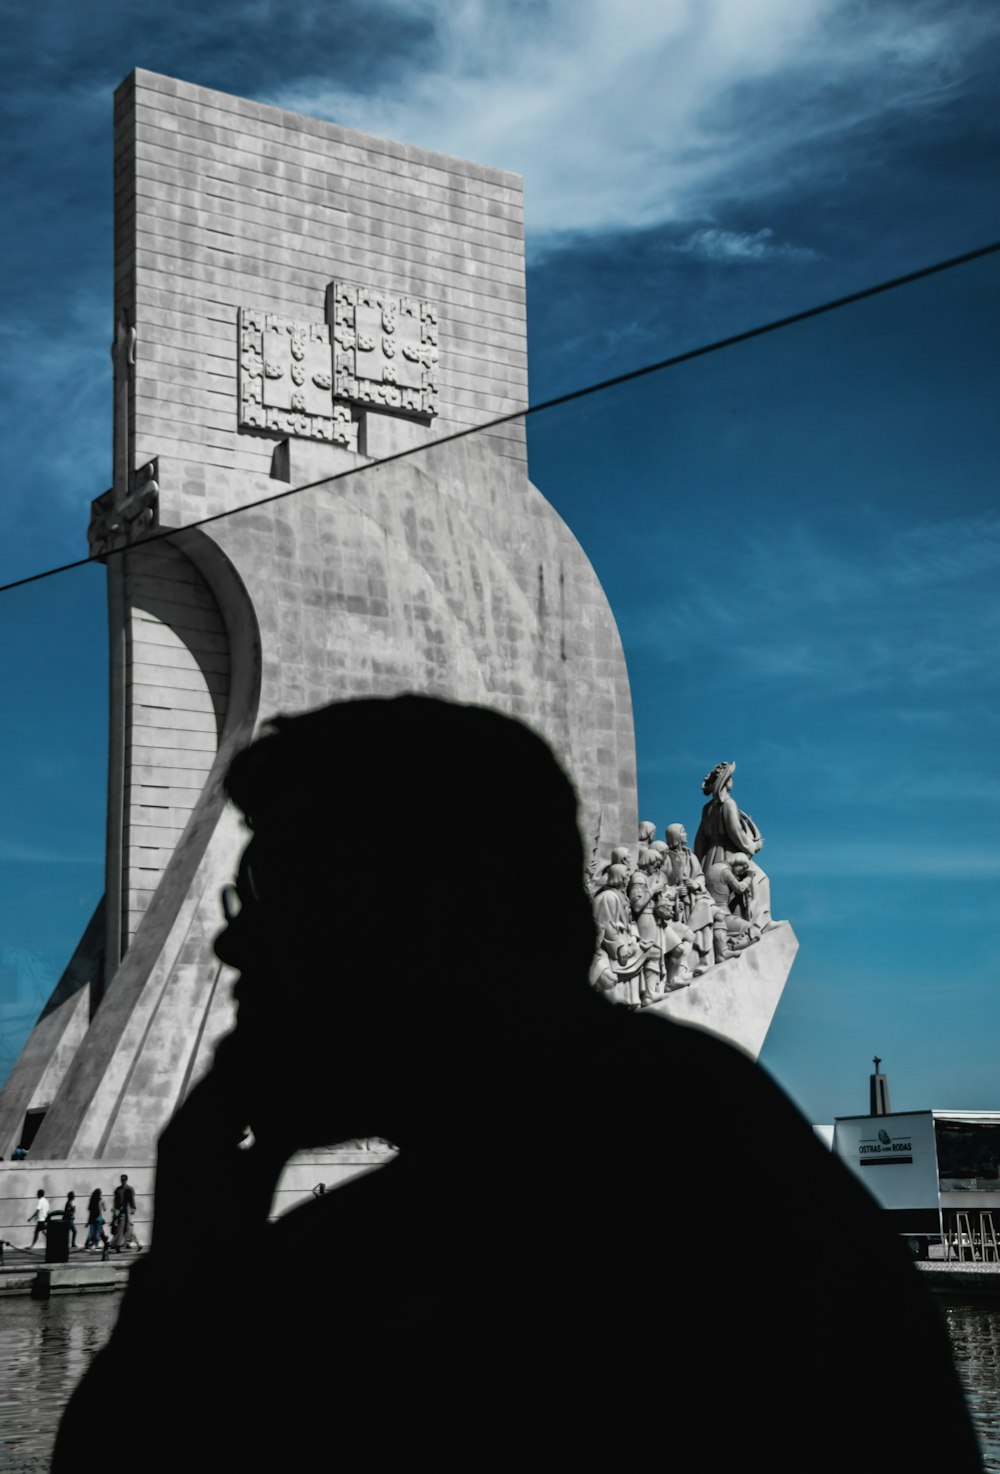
{"x": 713, "y": 244}
{"x": 649, "y": 111}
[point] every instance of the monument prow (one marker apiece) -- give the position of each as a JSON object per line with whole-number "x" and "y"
{"x": 737, "y": 998}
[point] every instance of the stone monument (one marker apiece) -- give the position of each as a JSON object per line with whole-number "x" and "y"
{"x": 697, "y": 941}
{"x": 294, "y": 302}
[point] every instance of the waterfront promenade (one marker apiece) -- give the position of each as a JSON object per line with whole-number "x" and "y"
{"x": 25, "y": 1272}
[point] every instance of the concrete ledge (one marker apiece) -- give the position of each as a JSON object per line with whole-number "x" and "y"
{"x": 77, "y": 1279}
{"x": 962, "y": 1280}
{"x": 18, "y": 1282}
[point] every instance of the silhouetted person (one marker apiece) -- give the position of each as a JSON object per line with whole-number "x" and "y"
{"x": 69, "y": 1216}
{"x": 123, "y": 1211}
{"x": 605, "y": 1238}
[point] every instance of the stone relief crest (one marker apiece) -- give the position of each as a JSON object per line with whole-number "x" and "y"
{"x": 385, "y": 349}
{"x": 286, "y": 380}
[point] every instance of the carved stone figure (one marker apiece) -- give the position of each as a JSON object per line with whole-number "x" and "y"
{"x": 611, "y": 911}
{"x": 641, "y": 905}
{"x": 650, "y": 866}
{"x": 692, "y": 906}
{"x": 729, "y": 884}
{"x": 736, "y": 886}
{"x": 732, "y": 934}
{"x": 610, "y": 969}
{"x": 680, "y": 867}
{"x": 641, "y": 902}
{"x": 676, "y": 940}
{"x": 681, "y": 862}
{"x": 621, "y": 856}
{"x": 629, "y": 967}
{"x": 699, "y": 906}
{"x": 726, "y": 831}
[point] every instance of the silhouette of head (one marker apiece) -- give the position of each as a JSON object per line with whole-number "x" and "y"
{"x": 340, "y": 1016}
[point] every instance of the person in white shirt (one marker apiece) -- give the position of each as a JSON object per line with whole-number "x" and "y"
{"x": 40, "y": 1216}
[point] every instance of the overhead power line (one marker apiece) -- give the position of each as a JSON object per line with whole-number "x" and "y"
{"x": 673, "y": 361}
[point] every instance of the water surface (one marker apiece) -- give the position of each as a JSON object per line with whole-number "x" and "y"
{"x": 975, "y": 1344}
{"x": 46, "y": 1346}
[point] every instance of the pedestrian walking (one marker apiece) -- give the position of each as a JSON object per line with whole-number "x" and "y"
{"x": 123, "y": 1212}
{"x": 69, "y": 1216}
{"x": 95, "y": 1221}
{"x": 41, "y": 1217}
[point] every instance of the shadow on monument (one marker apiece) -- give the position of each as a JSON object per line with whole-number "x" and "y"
{"x": 581, "y": 1198}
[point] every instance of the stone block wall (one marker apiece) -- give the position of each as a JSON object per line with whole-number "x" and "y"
{"x": 222, "y": 202}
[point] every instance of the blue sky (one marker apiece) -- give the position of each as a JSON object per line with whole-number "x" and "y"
{"x": 800, "y": 536}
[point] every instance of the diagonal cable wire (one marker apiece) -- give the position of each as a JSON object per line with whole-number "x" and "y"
{"x": 520, "y": 414}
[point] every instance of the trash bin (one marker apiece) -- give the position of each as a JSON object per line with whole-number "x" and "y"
{"x": 56, "y": 1239}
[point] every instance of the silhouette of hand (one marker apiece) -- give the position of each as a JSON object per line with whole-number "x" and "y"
{"x": 202, "y": 1140}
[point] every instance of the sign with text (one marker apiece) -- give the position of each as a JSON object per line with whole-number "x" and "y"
{"x": 894, "y": 1156}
